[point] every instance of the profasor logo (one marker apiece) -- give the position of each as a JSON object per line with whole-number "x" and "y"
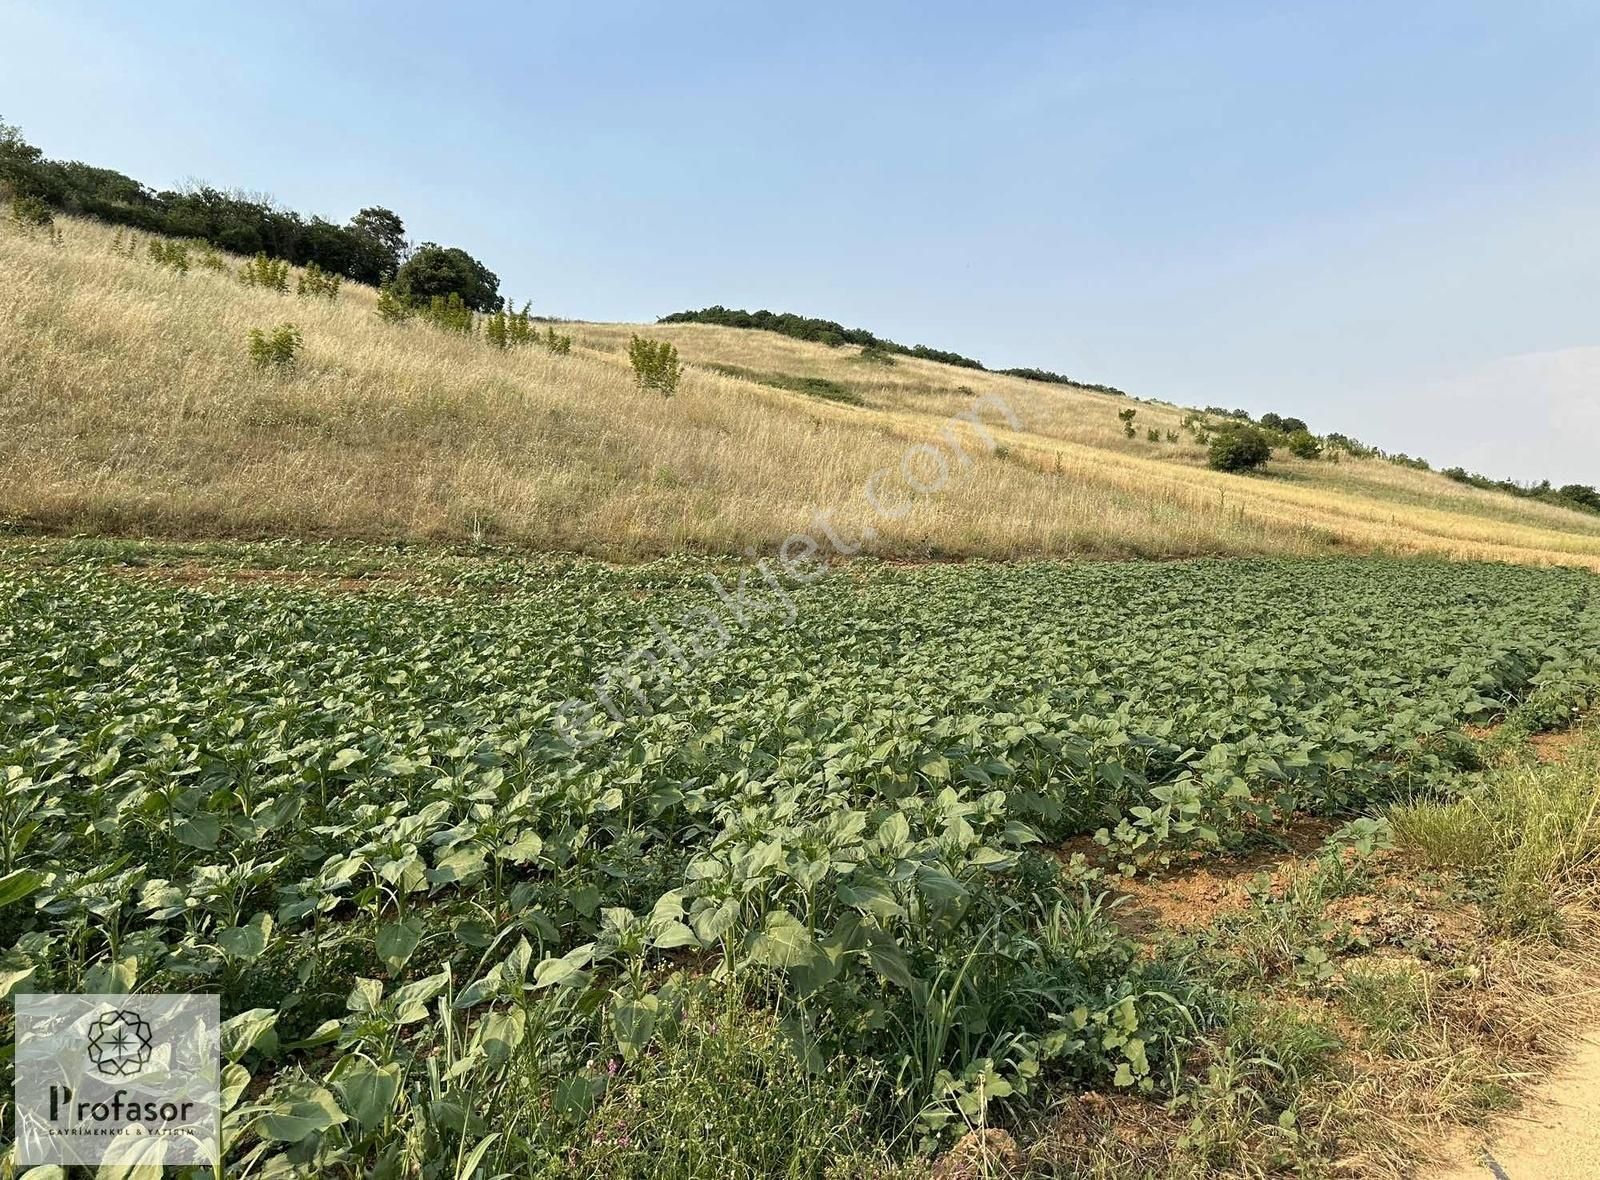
{"x": 132, "y": 1080}
{"x": 119, "y": 1043}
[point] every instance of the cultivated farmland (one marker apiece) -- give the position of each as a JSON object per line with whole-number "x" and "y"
{"x": 818, "y": 895}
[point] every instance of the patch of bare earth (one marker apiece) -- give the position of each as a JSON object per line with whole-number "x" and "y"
{"x": 1193, "y": 895}
{"x": 1553, "y": 746}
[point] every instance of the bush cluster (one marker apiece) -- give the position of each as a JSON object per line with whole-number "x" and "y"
{"x": 655, "y": 364}
{"x": 172, "y": 256}
{"x": 507, "y": 329}
{"x": 394, "y": 305}
{"x": 448, "y": 312}
{"x": 264, "y": 271}
{"x": 1304, "y": 445}
{"x": 31, "y": 212}
{"x": 1239, "y": 448}
{"x": 436, "y": 270}
{"x": 1284, "y": 426}
{"x": 318, "y": 283}
{"x": 503, "y": 329}
{"x": 1573, "y": 495}
{"x": 277, "y": 349}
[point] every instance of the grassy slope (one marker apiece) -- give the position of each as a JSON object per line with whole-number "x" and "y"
{"x": 127, "y": 405}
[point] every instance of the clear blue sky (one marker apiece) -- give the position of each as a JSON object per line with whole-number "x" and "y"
{"x": 1382, "y": 217}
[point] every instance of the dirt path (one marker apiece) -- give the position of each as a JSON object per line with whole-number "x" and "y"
{"x": 1555, "y": 1135}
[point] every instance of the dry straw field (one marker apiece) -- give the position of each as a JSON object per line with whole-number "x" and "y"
{"x": 129, "y": 405}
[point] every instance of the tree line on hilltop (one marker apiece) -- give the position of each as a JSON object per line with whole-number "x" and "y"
{"x": 834, "y": 334}
{"x": 370, "y": 248}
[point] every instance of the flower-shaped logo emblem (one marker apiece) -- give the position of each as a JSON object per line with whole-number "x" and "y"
{"x": 119, "y": 1043}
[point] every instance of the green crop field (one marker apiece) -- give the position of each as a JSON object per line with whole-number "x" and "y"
{"x": 803, "y": 885}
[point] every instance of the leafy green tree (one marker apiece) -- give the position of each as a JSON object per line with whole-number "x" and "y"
{"x": 387, "y": 234}
{"x": 449, "y": 270}
{"x": 1304, "y": 445}
{"x": 1239, "y": 448}
{"x": 20, "y": 171}
{"x": 1580, "y": 493}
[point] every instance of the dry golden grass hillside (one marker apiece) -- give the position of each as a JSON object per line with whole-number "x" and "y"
{"x": 129, "y": 405}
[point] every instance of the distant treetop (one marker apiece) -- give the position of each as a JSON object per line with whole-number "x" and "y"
{"x": 834, "y": 334}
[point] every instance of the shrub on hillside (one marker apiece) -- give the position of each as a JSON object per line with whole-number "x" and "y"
{"x": 508, "y": 329}
{"x": 1239, "y": 448}
{"x": 318, "y": 283}
{"x": 31, "y": 212}
{"x": 655, "y": 364}
{"x": 557, "y": 344}
{"x": 1351, "y": 446}
{"x": 277, "y": 349}
{"x": 172, "y": 256}
{"x": 1127, "y": 417}
{"x": 394, "y": 304}
{"x": 448, "y": 313}
{"x": 266, "y": 272}
{"x": 1304, "y": 445}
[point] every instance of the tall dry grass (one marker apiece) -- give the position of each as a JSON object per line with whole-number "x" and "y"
{"x": 128, "y": 405}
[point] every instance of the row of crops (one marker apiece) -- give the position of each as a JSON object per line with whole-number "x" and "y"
{"x": 450, "y": 942}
